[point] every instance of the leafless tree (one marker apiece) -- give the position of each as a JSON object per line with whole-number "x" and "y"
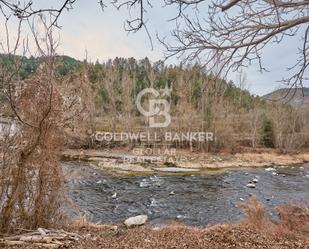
{"x": 232, "y": 33}
{"x": 43, "y": 106}
{"x": 29, "y": 156}
{"x": 255, "y": 124}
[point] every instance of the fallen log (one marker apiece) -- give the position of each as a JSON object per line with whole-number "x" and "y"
{"x": 42, "y": 237}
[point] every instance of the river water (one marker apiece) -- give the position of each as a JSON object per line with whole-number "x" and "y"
{"x": 202, "y": 199}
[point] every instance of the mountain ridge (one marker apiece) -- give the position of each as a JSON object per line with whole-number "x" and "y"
{"x": 296, "y": 97}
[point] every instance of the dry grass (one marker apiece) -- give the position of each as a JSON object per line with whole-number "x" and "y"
{"x": 256, "y": 216}
{"x": 257, "y": 231}
{"x": 83, "y": 223}
{"x": 293, "y": 219}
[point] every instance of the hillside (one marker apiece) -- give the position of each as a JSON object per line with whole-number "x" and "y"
{"x": 29, "y": 65}
{"x": 198, "y": 102}
{"x": 298, "y": 98}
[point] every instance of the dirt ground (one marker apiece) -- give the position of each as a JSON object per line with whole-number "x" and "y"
{"x": 217, "y": 237}
{"x": 182, "y": 237}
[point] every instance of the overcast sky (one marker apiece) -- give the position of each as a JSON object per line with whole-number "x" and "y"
{"x": 101, "y": 34}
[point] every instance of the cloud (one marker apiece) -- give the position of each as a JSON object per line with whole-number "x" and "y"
{"x": 104, "y": 44}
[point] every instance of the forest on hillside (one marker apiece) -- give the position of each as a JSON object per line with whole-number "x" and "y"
{"x": 199, "y": 102}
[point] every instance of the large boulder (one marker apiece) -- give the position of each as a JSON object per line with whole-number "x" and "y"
{"x": 136, "y": 220}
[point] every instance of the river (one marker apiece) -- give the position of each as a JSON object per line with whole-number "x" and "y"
{"x": 201, "y": 199}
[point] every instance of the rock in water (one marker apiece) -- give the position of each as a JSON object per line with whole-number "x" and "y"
{"x": 270, "y": 169}
{"x": 251, "y": 185}
{"x": 255, "y": 180}
{"x": 136, "y": 220}
{"x": 176, "y": 170}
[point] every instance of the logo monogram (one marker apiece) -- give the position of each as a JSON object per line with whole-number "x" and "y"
{"x": 157, "y": 106}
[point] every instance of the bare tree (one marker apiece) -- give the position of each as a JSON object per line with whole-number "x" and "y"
{"x": 255, "y": 124}
{"x": 29, "y": 156}
{"x": 31, "y": 182}
{"x": 232, "y": 33}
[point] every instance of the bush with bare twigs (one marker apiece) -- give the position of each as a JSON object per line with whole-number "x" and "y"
{"x": 293, "y": 220}
{"x": 42, "y": 107}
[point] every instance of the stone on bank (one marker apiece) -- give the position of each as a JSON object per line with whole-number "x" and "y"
{"x": 136, "y": 220}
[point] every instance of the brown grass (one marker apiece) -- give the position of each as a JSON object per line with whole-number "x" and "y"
{"x": 256, "y": 216}
{"x": 293, "y": 219}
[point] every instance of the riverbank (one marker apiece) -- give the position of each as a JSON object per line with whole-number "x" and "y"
{"x": 181, "y": 237}
{"x": 127, "y": 162}
{"x": 223, "y": 236}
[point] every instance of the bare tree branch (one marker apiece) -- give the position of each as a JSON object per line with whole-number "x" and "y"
{"x": 24, "y": 9}
{"x": 235, "y": 31}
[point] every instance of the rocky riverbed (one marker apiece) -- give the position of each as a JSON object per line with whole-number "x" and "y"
{"x": 127, "y": 162}
{"x": 195, "y": 198}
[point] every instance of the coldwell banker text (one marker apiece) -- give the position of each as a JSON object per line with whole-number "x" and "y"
{"x": 154, "y": 137}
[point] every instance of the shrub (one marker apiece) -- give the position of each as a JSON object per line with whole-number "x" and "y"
{"x": 267, "y": 136}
